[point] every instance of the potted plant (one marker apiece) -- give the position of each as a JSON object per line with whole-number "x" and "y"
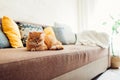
{"x": 115, "y": 59}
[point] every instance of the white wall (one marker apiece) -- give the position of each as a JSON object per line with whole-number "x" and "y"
{"x": 41, "y": 11}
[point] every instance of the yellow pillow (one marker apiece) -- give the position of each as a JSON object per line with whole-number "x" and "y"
{"x": 49, "y": 31}
{"x": 11, "y": 29}
{"x": 51, "y": 40}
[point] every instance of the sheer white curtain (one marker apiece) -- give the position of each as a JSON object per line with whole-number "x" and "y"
{"x": 97, "y": 15}
{"x": 86, "y": 9}
{"x": 93, "y": 13}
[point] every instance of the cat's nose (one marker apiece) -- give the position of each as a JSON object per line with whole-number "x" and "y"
{"x": 37, "y": 43}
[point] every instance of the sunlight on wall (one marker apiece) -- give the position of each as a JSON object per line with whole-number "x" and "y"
{"x": 41, "y": 11}
{"x": 103, "y": 10}
{"x": 107, "y": 12}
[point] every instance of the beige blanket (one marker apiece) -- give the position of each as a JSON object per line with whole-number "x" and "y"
{"x": 93, "y": 38}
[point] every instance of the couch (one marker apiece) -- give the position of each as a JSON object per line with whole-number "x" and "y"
{"x": 75, "y": 62}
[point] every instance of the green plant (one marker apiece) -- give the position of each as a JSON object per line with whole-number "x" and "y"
{"x": 114, "y": 28}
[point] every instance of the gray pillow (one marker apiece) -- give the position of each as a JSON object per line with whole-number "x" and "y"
{"x": 4, "y": 43}
{"x": 64, "y": 34}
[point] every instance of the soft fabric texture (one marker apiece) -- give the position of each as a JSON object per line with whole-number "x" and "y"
{"x": 4, "y": 43}
{"x": 35, "y": 41}
{"x": 11, "y": 30}
{"x": 25, "y": 28}
{"x": 64, "y": 34}
{"x": 51, "y": 41}
{"x": 93, "y": 38}
{"x": 19, "y": 64}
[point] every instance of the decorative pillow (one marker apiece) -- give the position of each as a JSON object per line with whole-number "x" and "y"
{"x": 64, "y": 34}
{"x": 11, "y": 30}
{"x": 51, "y": 41}
{"x": 3, "y": 40}
{"x": 25, "y": 28}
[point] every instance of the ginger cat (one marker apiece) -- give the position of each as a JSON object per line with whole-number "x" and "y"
{"x": 35, "y": 41}
{"x": 51, "y": 41}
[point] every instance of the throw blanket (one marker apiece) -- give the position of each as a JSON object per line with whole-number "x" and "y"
{"x": 93, "y": 38}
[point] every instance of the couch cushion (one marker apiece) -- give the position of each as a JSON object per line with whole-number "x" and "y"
{"x": 51, "y": 40}
{"x": 19, "y": 64}
{"x": 64, "y": 33}
{"x": 3, "y": 39}
{"x": 10, "y": 28}
{"x": 25, "y": 28}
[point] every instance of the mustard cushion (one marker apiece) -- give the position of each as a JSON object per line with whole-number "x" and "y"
{"x": 11, "y": 29}
{"x": 49, "y": 31}
{"x": 50, "y": 37}
{"x": 51, "y": 41}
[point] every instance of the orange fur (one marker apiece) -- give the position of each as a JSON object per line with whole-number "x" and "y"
{"x": 35, "y": 41}
{"x": 51, "y": 41}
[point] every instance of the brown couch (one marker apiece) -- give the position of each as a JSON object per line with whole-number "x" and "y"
{"x": 20, "y": 64}
{"x": 75, "y": 62}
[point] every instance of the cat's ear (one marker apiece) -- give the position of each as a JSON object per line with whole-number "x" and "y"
{"x": 42, "y": 34}
{"x": 30, "y": 33}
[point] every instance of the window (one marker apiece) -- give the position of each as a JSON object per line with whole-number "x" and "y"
{"x": 97, "y": 15}
{"x": 95, "y": 12}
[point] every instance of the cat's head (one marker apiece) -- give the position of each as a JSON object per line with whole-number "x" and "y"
{"x": 36, "y": 37}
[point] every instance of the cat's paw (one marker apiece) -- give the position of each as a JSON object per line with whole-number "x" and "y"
{"x": 53, "y": 48}
{"x": 32, "y": 49}
{"x": 44, "y": 48}
{"x": 57, "y": 47}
